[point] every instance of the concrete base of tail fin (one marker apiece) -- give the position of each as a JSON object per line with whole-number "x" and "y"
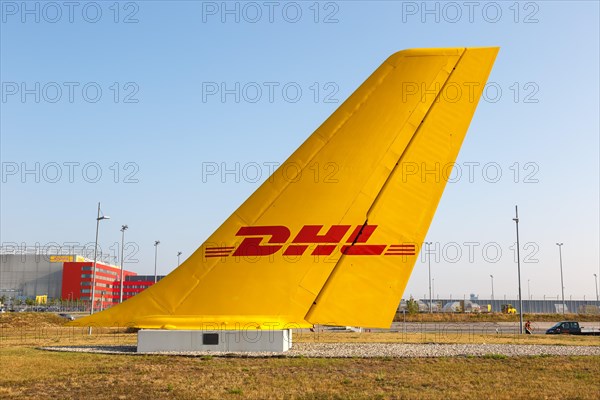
{"x": 189, "y": 341}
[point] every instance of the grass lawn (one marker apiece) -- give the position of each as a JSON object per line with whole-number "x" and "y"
{"x": 37, "y": 374}
{"x": 29, "y": 373}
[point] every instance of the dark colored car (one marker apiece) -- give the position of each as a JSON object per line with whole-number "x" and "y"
{"x": 570, "y": 328}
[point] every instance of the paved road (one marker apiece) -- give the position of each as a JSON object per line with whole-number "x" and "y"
{"x": 473, "y": 328}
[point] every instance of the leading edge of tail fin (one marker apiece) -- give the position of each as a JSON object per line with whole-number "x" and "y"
{"x": 333, "y": 234}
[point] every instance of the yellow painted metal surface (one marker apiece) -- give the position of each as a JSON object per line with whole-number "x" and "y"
{"x": 332, "y": 236}
{"x": 61, "y": 259}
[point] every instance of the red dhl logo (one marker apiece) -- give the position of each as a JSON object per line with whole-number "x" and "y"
{"x": 275, "y": 238}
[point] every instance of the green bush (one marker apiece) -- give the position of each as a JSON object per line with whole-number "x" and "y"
{"x": 412, "y": 306}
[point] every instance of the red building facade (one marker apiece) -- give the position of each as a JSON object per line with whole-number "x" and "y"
{"x": 77, "y": 281}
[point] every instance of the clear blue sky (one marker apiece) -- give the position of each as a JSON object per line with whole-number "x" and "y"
{"x": 163, "y": 124}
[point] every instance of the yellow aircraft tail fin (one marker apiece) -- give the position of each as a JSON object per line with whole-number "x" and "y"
{"x": 332, "y": 236}
{"x": 365, "y": 291}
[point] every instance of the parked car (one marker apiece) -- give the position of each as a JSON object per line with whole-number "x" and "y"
{"x": 571, "y": 328}
{"x": 67, "y": 316}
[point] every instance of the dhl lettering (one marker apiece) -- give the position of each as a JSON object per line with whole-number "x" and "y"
{"x": 267, "y": 240}
{"x": 251, "y": 245}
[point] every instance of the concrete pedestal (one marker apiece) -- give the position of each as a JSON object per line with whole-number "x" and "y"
{"x": 158, "y": 340}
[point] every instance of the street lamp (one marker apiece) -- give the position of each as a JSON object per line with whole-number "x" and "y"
{"x": 98, "y": 219}
{"x": 596, "y": 282}
{"x": 178, "y": 254}
{"x": 429, "y": 262}
{"x": 156, "y": 243}
{"x": 516, "y": 219}
{"x": 492, "y": 276}
{"x": 123, "y": 229}
{"x": 562, "y": 285}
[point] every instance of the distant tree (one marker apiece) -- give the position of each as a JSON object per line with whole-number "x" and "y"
{"x": 2, "y": 299}
{"x": 30, "y": 302}
{"x": 412, "y": 306}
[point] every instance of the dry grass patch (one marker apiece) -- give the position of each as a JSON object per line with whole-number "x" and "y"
{"x": 29, "y": 319}
{"x": 28, "y": 373}
{"x": 36, "y": 374}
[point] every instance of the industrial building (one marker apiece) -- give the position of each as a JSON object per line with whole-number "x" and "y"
{"x": 77, "y": 281}
{"x": 24, "y": 275}
{"x": 67, "y": 277}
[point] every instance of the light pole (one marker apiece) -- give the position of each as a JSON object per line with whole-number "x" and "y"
{"x": 596, "y": 282}
{"x": 562, "y": 285}
{"x": 516, "y": 219}
{"x": 123, "y": 229}
{"x": 429, "y": 261}
{"x": 492, "y": 277}
{"x": 98, "y": 219}
{"x": 156, "y": 243}
{"x": 178, "y": 254}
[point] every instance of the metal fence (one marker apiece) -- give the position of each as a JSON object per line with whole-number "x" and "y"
{"x": 548, "y": 306}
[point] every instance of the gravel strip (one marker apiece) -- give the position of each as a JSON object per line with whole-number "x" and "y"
{"x": 369, "y": 350}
